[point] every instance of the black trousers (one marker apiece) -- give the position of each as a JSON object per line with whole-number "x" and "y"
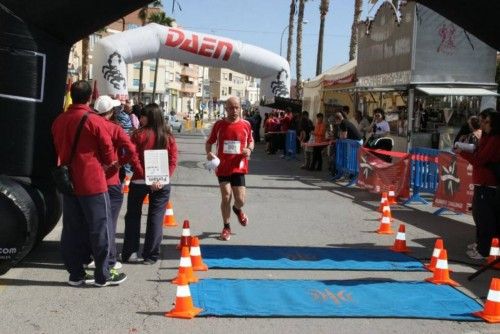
{"x": 86, "y": 221}
{"x": 154, "y": 225}
{"x": 317, "y": 158}
{"x": 486, "y": 217}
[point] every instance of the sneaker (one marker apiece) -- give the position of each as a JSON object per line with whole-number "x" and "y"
{"x": 242, "y": 217}
{"x": 118, "y": 265}
{"x": 88, "y": 279}
{"x": 474, "y": 254}
{"x": 133, "y": 258}
{"x": 91, "y": 265}
{"x": 149, "y": 261}
{"x": 225, "y": 234}
{"x": 472, "y": 246}
{"x": 115, "y": 278}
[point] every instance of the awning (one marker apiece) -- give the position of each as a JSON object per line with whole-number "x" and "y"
{"x": 282, "y": 103}
{"x": 456, "y": 91}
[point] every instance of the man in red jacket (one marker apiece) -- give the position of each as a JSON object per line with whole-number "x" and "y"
{"x": 233, "y": 136}
{"x": 87, "y": 212}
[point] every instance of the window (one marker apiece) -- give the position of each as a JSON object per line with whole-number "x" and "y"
{"x": 151, "y": 84}
{"x": 230, "y": 77}
{"x": 137, "y": 65}
{"x": 135, "y": 82}
{"x": 132, "y": 26}
{"x": 230, "y": 90}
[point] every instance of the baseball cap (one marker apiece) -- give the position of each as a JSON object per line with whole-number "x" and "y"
{"x": 104, "y": 103}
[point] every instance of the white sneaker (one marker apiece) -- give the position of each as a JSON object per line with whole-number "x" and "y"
{"x": 134, "y": 258}
{"x": 473, "y": 254}
{"x": 472, "y": 246}
{"x": 91, "y": 265}
{"x": 118, "y": 265}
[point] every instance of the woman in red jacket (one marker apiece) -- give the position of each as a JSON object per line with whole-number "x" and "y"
{"x": 484, "y": 204}
{"x": 153, "y": 135}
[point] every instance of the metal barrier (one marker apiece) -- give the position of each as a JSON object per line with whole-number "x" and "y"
{"x": 424, "y": 173}
{"x": 346, "y": 159}
{"x": 291, "y": 144}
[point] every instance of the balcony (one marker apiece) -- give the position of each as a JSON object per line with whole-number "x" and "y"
{"x": 189, "y": 88}
{"x": 189, "y": 71}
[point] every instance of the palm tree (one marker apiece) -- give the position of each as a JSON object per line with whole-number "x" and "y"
{"x": 300, "y": 20}
{"x": 143, "y": 16}
{"x": 358, "y": 4}
{"x": 323, "y": 10}
{"x": 164, "y": 20}
{"x": 291, "y": 19}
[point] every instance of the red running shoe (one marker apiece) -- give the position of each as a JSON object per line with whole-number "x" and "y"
{"x": 225, "y": 235}
{"x": 242, "y": 217}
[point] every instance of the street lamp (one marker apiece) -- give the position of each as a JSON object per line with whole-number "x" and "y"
{"x": 283, "y": 32}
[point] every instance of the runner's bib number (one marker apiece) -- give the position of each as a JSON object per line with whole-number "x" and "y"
{"x": 232, "y": 147}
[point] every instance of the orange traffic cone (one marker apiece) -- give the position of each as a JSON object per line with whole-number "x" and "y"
{"x": 441, "y": 273}
{"x": 400, "y": 242}
{"x": 195, "y": 253}
{"x": 494, "y": 252}
{"x": 491, "y": 312}
{"x": 183, "y": 302}
{"x": 386, "y": 210}
{"x": 383, "y": 200}
{"x": 385, "y": 223}
{"x": 169, "y": 218}
{"x": 146, "y": 199}
{"x": 186, "y": 235}
{"x": 185, "y": 268}
{"x": 438, "y": 246}
{"x": 126, "y": 184}
{"x": 392, "y": 196}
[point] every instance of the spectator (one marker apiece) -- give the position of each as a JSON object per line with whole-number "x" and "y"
{"x": 154, "y": 135}
{"x": 319, "y": 137}
{"x": 306, "y": 127}
{"x": 364, "y": 125}
{"x": 124, "y": 152}
{"x": 485, "y": 210}
{"x": 380, "y": 127}
{"x": 474, "y": 134}
{"x": 127, "y": 108}
{"x": 86, "y": 214}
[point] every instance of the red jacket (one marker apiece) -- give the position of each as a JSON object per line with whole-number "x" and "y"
{"x": 94, "y": 149}
{"x": 144, "y": 139}
{"x": 124, "y": 152}
{"x": 487, "y": 151}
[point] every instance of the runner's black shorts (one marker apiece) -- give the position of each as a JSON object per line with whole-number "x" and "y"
{"x": 236, "y": 179}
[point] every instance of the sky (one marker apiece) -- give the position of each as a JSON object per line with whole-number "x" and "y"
{"x": 261, "y": 22}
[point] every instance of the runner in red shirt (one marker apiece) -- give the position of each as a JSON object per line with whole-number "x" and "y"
{"x": 233, "y": 136}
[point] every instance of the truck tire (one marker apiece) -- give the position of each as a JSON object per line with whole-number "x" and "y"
{"x": 19, "y": 223}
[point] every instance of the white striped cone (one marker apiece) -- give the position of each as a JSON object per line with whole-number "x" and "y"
{"x": 400, "y": 242}
{"x": 195, "y": 253}
{"x": 185, "y": 236}
{"x": 441, "y": 272}
{"x": 185, "y": 267}
{"x": 491, "y": 312}
{"x": 183, "y": 302}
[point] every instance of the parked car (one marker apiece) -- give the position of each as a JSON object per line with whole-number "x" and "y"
{"x": 174, "y": 122}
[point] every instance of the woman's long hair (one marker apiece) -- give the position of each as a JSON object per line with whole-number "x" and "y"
{"x": 157, "y": 124}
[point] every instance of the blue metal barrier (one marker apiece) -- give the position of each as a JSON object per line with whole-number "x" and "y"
{"x": 424, "y": 173}
{"x": 346, "y": 159}
{"x": 291, "y": 145}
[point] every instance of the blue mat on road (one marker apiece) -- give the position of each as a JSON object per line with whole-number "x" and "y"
{"x": 327, "y": 258}
{"x": 351, "y": 298}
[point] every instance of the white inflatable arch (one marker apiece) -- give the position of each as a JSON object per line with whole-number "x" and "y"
{"x": 112, "y": 53}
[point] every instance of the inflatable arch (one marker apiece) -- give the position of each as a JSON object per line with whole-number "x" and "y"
{"x": 112, "y": 54}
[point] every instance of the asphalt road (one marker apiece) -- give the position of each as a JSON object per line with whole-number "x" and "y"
{"x": 286, "y": 206}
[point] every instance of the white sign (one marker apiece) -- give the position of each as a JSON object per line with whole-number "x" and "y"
{"x": 156, "y": 166}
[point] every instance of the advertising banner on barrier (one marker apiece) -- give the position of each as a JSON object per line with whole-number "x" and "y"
{"x": 455, "y": 187}
{"x": 382, "y": 170}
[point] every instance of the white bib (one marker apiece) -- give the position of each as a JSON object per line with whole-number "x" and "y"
{"x": 232, "y": 147}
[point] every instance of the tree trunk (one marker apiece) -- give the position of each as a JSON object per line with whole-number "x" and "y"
{"x": 290, "y": 31}
{"x": 156, "y": 77}
{"x": 323, "y": 10}
{"x": 353, "y": 47}
{"x": 85, "y": 58}
{"x": 298, "y": 85}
